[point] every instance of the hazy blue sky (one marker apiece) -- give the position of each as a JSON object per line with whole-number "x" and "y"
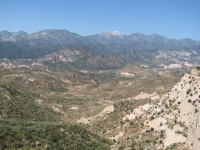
{"x": 170, "y": 18}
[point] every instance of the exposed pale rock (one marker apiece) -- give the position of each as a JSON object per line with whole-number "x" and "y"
{"x": 103, "y": 113}
{"x": 57, "y": 110}
{"x": 144, "y": 96}
{"x": 126, "y": 74}
{"x": 74, "y": 108}
{"x": 173, "y": 137}
{"x": 155, "y": 123}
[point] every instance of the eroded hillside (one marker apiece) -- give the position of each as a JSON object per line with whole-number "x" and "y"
{"x": 153, "y": 121}
{"x": 129, "y": 106}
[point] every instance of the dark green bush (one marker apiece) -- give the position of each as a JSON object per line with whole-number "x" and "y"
{"x": 45, "y": 135}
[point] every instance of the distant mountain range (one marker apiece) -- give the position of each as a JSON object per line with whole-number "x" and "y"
{"x": 55, "y": 36}
{"x": 119, "y": 49}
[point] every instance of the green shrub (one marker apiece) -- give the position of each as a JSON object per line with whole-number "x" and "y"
{"x": 198, "y": 67}
{"x": 22, "y": 134}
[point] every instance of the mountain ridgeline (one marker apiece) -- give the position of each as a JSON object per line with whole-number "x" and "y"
{"x": 108, "y": 50}
{"x": 54, "y": 36}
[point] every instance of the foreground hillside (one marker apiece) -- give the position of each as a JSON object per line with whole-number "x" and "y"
{"x": 154, "y": 121}
{"x": 133, "y": 107}
{"x": 35, "y": 104}
{"x": 29, "y": 118}
{"x": 21, "y": 134}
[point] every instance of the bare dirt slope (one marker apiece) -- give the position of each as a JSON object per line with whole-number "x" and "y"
{"x": 153, "y": 121}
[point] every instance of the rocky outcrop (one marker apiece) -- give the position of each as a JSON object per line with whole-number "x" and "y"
{"x": 177, "y": 113}
{"x": 187, "y": 96}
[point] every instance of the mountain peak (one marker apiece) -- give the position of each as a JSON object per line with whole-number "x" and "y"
{"x": 109, "y": 34}
{"x": 5, "y": 34}
{"x": 20, "y": 33}
{"x": 116, "y": 33}
{"x": 113, "y": 33}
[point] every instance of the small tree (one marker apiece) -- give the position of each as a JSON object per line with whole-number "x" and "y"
{"x": 198, "y": 67}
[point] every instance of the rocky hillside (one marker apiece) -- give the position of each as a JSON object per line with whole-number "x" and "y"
{"x": 177, "y": 113}
{"x": 82, "y": 58}
{"x": 187, "y": 98}
{"x": 66, "y": 56}
{"x": 149, "y": 121}
{"x": 51, "y": 58}
{"x": 13, "y": 50}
